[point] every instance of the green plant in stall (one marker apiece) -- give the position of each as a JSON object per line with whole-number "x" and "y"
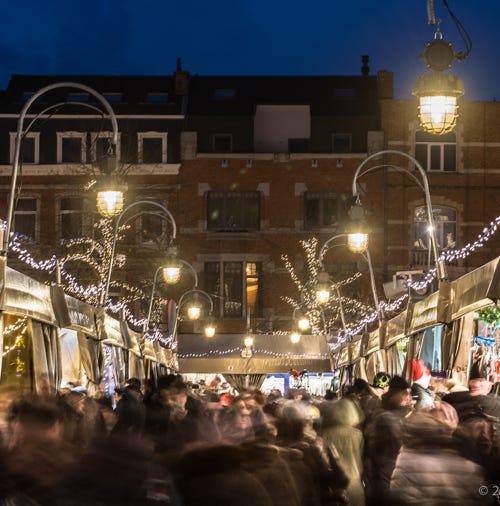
{"x": 490, "y": 315}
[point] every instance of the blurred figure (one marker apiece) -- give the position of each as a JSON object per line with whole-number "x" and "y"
{"x": 383, "y": 439}
{"x": 130, "y": 411}
{"x": 370, "y": 398}
{"x": 320, "y": 478}
{"x": 83, "y": 420}
{"x": 216, "y": 476}
{"x": 235, "y": 424}
{"x": 342, "y": 430}
{"x": 38, "y": 459}
{"x": 479, "y": 424}
{"x": 422, "y": 394}
{"x": 430, "y": 470}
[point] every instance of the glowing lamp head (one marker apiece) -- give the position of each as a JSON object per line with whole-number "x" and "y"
{"x": 438, "y": 92}
{"x": 322, "y": 293}
{"x": 357, "y": 243}
{"x": 357, "y": 230}
{"x": 109, "y": 203}
{"x": 209, "y": 329}
{"x": 303, "y": 323}
{"x": 323, "y": 288}
{"x": 194, "y": 311}
{"x": 171, "y": 274}
{"x": 248, "y": 341}
{"x": 110, "y": 195}
{"x": 295, "y": 338}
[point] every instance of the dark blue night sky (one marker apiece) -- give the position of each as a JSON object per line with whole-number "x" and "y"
{"x": 252, "y": 37}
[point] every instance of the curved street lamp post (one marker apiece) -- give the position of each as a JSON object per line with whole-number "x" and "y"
{"x": 166, "y": 214}
{"x": 423, "y": 184}
{"x": 21, "y": 132}
{"x": 366, "y": 255}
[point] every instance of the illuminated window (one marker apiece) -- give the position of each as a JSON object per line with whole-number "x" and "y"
{"x": 235, "y": 287}
{"x": 445, "y": 221}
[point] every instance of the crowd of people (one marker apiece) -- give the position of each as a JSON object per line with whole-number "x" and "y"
{"x": 390, "y": 442}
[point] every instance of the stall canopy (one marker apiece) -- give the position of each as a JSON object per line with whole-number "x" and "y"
{"x": 432, "y": 310}
{"x": 396, "y": 329}
{"x": 476, "y": 289}
{"x": 73, "y": 314}
{"x": 270, "y": 354}
{"x": 110, "y": 331}
{"x": 24, "y": 296}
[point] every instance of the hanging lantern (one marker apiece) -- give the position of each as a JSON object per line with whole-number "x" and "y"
{"x": 110, "y": 191}
{"x": 357, "y": 230}
{"x": 438, "y": 92}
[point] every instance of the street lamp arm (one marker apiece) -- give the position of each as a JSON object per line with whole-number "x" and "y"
{"x": 20, "y": 134}
{"x": 397, "y": 168}
{"x": 167, "y": 213}
{"x": 197, "y": 291}
{"x": 155, "y": 279}
{"x": 150, "y": 307}
{"x": 55, "y": 106}
{"x": 326, "y": 246}
{"x": 440, "y": 267}
{"x": 366, "y": 255}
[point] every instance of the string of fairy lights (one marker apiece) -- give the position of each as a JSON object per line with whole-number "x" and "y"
{"x": 368, "y": 315}
{"x": 16, "y": 333}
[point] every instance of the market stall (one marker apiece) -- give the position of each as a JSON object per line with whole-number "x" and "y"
{"x": 31, "y": 359}
{"x": 226, "y": 354}
{"x": 475, "y": 332}
{"x": 396, "y": 344}
{"x": 82, "y": 358}
{"x": 428, "y": 333}
{"x": 373, "y": 352}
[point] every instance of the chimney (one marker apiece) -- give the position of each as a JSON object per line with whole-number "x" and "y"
{"x": 181, "y": 80}
{"x": 365, "y": 69}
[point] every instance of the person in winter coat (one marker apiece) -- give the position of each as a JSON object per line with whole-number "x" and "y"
{"x": 327, "y": 480}
{"x": 431, "y": 471}
{"x": 422, "y": 394}
{"x": 341, "y": 429}
{"x": 383, "y": 439}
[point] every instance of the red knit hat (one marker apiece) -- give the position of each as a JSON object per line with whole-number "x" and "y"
{"x": 419, "y": 369}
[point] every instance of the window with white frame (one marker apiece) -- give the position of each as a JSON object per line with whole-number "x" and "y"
{"x": 25, "y": 220}
{"x": 445, "y": 221}
{"x": 233, "y": 211}
{"x": 325, "y": 209}
{"x": 73, "y": 218}
{"x": 235, "y": 288}
{"x": 30, "y": 148}
{"x": 71, "y": 147}
{"x": 436, "y": 152}
{"x": 101, "y": 144}
{"x": 152, "y": 147}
